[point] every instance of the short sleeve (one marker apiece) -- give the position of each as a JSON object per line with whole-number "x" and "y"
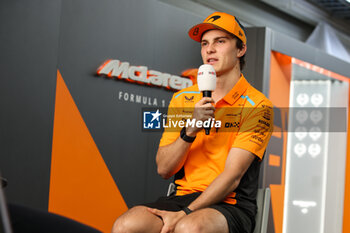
{"x": 256, "y": 129}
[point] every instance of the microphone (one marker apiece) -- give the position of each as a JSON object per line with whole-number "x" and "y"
{"x": 206, "y": 80}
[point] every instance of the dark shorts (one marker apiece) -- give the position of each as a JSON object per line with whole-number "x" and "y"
{"x": 238, "y": 221}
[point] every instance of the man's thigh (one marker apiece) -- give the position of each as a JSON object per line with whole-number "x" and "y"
{"x": 237, "y": 220}
{"x": 138, "y": 219}
{"x": 207, "y": 220}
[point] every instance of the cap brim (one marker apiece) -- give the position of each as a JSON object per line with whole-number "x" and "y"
{"x": 197, "y": 31}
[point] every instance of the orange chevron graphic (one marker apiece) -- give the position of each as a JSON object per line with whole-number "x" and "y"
{"x": 280, "y": 77}
{"x": 81, "y": 186}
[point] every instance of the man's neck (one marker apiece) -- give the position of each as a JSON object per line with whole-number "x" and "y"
{"x": 225, "y": 82}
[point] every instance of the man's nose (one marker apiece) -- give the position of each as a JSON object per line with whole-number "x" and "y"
{"x": 210, "y": 48}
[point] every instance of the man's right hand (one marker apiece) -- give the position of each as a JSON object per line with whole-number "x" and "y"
{"x": 169, "y": 218}
{"x": 203, "y": 110}
{"x": 171, "y": 158}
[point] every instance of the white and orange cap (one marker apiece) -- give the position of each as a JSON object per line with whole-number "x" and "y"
{"x": 218, "y": 20}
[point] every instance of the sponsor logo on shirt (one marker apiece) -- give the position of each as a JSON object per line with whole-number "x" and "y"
{"x": 264, "y": 123}
{"x": 232, "y": 124}
{"x": 189, "y": 99}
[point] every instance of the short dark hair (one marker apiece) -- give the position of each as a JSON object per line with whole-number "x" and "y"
{"x": 240, "y": 45}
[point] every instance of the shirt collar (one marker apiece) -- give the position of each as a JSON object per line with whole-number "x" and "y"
{"x": 239, "y": 88}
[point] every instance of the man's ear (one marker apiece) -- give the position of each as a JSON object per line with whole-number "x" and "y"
{"x": 242, "y": 51}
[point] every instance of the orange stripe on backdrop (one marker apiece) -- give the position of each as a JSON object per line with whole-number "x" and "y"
{"x": 274, "y": 160}
{"x": 346, "y": 214}
{"x": 277, "y": 132}
{"x": 320, "y": 70}
{"x": 81, "y": 186}
{"x": 280, "y": 78}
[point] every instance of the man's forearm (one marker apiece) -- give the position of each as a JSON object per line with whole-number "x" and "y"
{"x": 172, "y": 157}
{"x": 216, "y": 192}
{"x": 237, "y": 163}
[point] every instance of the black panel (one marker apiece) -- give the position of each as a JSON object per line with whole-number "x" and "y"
{"x": 143, "y": 33}
{"x": 88, "y": 32}
{"x": 29, "y": 33}
{"x": 254, "y": 70}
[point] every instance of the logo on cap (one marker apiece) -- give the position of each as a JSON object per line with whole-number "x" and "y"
{"x": 215, "y": 17}
{"x": 195, "y": 32}
{"x": 240, "y": 33}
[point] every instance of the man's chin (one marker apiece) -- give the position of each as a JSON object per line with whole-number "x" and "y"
{"x": 217, "y": 71}
{"x": 215, "y": 68}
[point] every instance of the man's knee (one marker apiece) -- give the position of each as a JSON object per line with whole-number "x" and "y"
{"x": 189, "y": 225}
{"x": 122, "y": 225}
{"x": 127, "y": 222}
{"x": 203, "y": 221}
{"x": 137, "y": 219}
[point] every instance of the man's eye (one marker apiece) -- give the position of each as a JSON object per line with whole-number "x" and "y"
{"x": 204, "y": 44}
{"x": 221, "y": 41}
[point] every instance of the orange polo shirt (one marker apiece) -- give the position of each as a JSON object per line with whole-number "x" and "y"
{"x": 246, "y": 118}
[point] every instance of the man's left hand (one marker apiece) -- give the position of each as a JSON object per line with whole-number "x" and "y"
{"x": 170, "y": 218}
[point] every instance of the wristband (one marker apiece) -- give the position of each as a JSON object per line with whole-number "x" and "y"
{"x": 187, "y": 210}
{"x": 185, "y": 137}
